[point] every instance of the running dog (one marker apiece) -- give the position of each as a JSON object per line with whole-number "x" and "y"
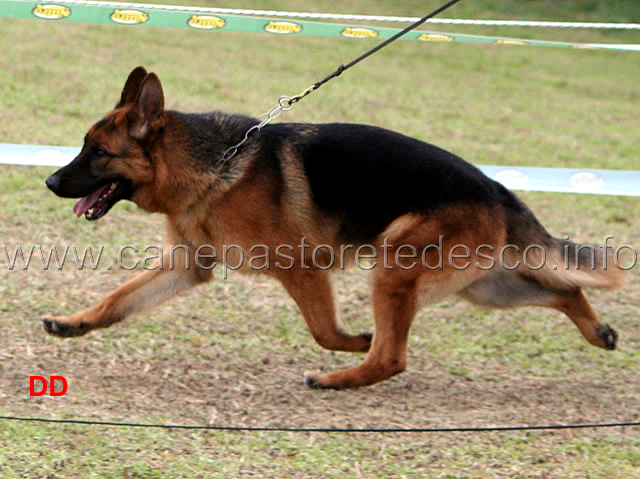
{"x": 428, "y": 223}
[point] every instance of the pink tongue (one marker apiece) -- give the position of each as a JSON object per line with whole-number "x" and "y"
{"x": 83, "y": 204}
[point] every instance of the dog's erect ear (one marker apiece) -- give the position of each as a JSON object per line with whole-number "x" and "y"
{"x": 146, "y": 116}
{"x": 132, "y": 86}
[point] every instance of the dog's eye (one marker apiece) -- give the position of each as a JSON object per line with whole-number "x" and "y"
{"x": 100, "y": 153}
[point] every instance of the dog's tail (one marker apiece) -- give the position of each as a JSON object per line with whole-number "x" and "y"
{"x": 572, "y": 265}
{"x": 560, "y": 263}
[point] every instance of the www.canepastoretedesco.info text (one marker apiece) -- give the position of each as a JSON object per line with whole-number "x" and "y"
{"x": 286, "y": 256}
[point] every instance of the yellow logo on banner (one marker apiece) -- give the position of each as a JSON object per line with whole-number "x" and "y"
{"x": 511, "y": 42}
{"x": 51, "y": 12}
{"x": 354, "y": 32}
{"x": 129, "y": 17}
{"x": 434, "y": 37}
{"x": 283, "y": 27}
{"x": 206, "y": 22}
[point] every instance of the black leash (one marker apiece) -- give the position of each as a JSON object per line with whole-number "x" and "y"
{"x": 342, "y": 68}
{"x": 286, "y": 103}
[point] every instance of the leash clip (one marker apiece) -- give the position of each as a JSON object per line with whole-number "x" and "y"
{"x": 285, "y": 103}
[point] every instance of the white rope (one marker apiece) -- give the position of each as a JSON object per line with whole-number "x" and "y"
{"x": 525, "y": 23}
{"x": 352, "y": 17}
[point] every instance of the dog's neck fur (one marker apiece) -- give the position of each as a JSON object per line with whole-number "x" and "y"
{"x": 213, "y": 133}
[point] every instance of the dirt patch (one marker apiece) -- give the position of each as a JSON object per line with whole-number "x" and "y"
{"x": 180, "y": 366}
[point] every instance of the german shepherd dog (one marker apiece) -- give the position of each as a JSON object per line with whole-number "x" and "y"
{"x": 332, "y": 188}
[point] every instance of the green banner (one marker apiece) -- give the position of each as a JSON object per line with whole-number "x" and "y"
{"x": 111, "y": 13}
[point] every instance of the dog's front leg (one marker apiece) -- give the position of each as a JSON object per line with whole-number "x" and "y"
{"x": 313, "y": 293}
{"x": 140, "y": 293}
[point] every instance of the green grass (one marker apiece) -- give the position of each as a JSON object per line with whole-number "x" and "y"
{"x": 186, "y": 454}
{"x": 233, "y": 352}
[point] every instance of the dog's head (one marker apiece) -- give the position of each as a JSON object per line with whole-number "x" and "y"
{"x": 115, "y": 162}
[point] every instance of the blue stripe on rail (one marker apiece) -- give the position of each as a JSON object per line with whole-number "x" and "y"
{"x": 37, "y": 155}
{"x": 559, "y": 180}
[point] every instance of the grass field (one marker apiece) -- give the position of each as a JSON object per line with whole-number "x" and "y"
{"x": 232, "y": 353}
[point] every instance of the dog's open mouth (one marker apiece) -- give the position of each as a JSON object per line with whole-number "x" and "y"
{"x": 96, "y": 205}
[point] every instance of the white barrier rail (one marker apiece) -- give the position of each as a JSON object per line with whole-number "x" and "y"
{"x": 559, "y": 180}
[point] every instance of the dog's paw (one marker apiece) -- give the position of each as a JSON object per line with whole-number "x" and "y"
{"x": 314, "y": 380}
{"x": 55, "y": 327}
{"x": 609, "y": 336}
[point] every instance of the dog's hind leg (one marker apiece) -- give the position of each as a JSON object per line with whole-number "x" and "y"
{"x": 510, "y": 289}
{"x": 396, "y": 297}
{"x": 313, "y": 293}
{"x": 575, "y": 305}
{"x": 394, "y": 306}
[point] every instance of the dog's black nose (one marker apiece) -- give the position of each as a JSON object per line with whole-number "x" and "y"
{"x": 53, "y": 182}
